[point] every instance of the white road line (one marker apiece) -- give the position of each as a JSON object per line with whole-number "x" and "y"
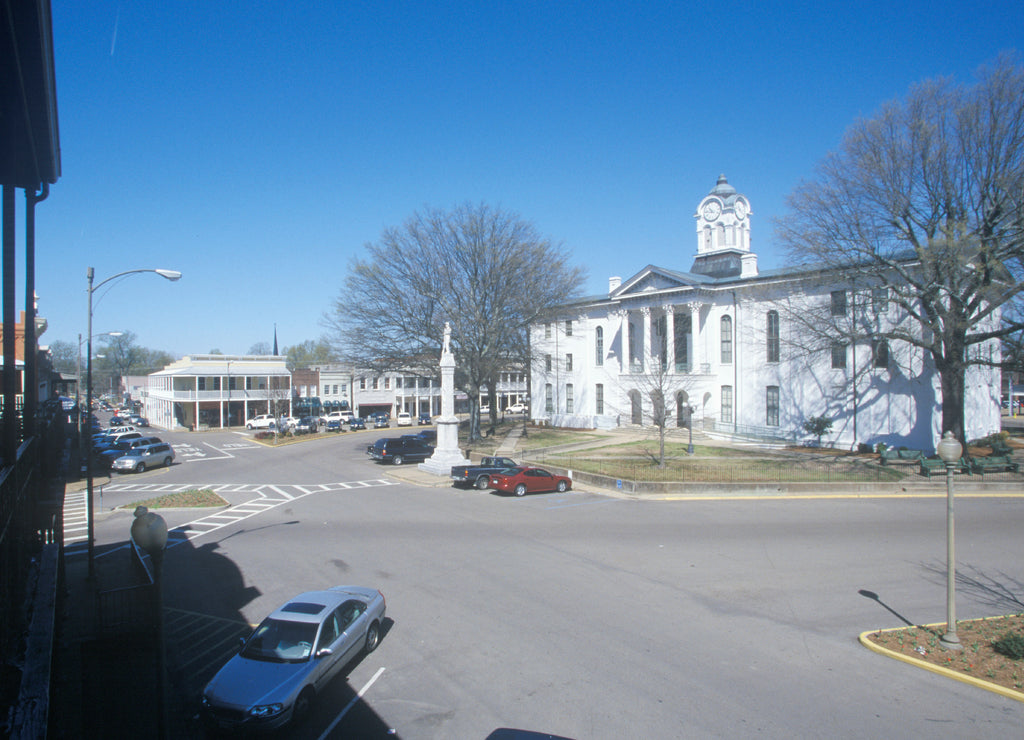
{"x": 348, "y": 706}
{"x": 275, "y": 489}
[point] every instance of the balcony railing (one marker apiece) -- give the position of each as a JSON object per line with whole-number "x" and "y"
{"x": 221, "y": 395}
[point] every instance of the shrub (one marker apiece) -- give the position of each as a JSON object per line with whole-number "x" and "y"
{"x": 864, "y": 448}
{"x": 1011, "y": 645}
{"x": 881, "y": 447}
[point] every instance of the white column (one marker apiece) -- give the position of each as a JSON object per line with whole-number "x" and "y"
{"x": 670, "y": 338}
{"x": 624, "y": 358}
{"x": 648, "y": 335}
{"x": 695, "y": 332}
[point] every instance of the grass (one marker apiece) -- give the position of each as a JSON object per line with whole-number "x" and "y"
{"x": 978, "y": 658}
{"x": 192, "y": 498}
{"x": 637, "y": 460}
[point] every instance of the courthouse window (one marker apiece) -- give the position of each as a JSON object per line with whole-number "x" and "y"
{"x": 773, "y": 336}
{"x": 838, "y": 355}
{"x": 772, "y": 406}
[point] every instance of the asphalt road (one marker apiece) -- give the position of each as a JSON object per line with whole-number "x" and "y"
{"x": 582, "y": 615}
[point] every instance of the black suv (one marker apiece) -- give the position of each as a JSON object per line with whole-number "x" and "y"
{"x": 399, "y": 450}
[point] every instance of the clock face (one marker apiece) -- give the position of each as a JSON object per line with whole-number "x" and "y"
{"x": 741, "y": 209}
{"x": 711, "y": 210}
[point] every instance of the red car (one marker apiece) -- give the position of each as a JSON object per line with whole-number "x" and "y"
{"x": 521, "y": 481}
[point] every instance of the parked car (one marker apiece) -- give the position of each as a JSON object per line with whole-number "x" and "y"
{"x": 105, "y": 458}
{"x": 334, "y": 415}
{"x": 306, "y": 425}
{"x": 291, "y": 656}
{"x": 404, "y": 419}
{"x": 263, "y": 421}
{"x": 346, "y": 416}
{"x": 117, "y": 421}
{"x": 380, "y": 421}
{"x": 140, "y": 459}
{"x": 427, "y": 435}
{"x": 356, "y": 423}
{"x": 112, "y": 439}
{"x": 288, "y": 422}
{"x": 516, "y": 408}
{"x": 424, "y": 419}
{"x": 397, "y": 450}
{"x": 334, "y": 425}
{"x": 523, "y": 480}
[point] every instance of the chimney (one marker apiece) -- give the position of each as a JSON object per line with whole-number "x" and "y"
{"x": 614, "y": 283}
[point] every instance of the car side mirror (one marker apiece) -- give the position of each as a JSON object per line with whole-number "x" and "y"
{"x": 324, "y": 652}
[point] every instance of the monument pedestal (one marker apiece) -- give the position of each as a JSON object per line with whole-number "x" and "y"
{"x": 446, "y": 451}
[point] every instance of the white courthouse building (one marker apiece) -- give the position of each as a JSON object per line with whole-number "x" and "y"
{"x": 722, "y": 343}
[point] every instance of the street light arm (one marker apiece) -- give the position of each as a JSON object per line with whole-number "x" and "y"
{"x": 169, "y": 274}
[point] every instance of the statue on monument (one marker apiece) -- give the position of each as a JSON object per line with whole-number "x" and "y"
{"x": 447, "y": 338}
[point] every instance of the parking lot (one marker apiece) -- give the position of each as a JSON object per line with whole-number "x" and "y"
{"x": 578, "y": 614}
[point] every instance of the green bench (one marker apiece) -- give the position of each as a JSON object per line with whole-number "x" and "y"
{"x": 930, "y": 465}
{"x": 900, "y": 455}
{"x": 1001, "y": 448}
{"x": 993, "y": 464}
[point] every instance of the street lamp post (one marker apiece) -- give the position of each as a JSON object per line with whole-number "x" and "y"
{"x": 949, "y": 450}
{"x": 689, "y": 423}
{"x": 149, "y": 531}
{"x": 90, "y": 515}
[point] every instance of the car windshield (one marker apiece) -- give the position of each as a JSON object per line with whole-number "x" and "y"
{"x": 281, "y": 641}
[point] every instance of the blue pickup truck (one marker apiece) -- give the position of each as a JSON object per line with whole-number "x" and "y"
{"x": 464, "y": 476}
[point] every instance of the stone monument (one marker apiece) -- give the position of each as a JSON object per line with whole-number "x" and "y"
{"x": 446, "y": 451}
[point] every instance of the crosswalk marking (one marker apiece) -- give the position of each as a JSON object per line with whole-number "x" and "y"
{"x": 268, "y": 496}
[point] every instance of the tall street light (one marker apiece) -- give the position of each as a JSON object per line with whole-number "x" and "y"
{"x": 949, "y": 450}
{"x": 90, "y": 273}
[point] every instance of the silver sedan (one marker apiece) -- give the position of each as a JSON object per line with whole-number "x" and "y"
{"x": 292, "y": 655}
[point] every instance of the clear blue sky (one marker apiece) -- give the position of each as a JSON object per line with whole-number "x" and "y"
{"x": 258, "y": 146}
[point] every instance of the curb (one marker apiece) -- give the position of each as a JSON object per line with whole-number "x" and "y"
{"x": 956, "y": 675}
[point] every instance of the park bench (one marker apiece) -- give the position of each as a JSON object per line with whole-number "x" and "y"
{"x": 993, "y": 464}
{"x": 930, "y": 465}
{"x": 891, "y": 454}
{"x": 999, "y": 447}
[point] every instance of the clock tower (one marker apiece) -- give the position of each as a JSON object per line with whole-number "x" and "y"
{"x": 723, "y": 234}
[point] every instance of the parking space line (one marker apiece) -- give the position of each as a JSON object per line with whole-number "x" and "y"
{"x": 351, "y": 703}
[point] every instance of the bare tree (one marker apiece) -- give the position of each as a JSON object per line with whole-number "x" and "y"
{"x": 664, "y": 401}
{"x": 924, "y": 202}
{"x": 64, "y": 356}
{"x": 261, "y": 348}
{"x": 485, "y": 270}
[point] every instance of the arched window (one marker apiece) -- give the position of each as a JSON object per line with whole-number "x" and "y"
{"x": 684, "y": 416}
{"x": 725, "y": 328}
{"x": 772, "y": 331}
{"x": 637, "y": 412}
{"x": 599, "y": 346}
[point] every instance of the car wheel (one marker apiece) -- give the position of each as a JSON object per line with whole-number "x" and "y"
{"x": 372, "y": 637}
{"x": 397, "y": 459}
{"x": 520, "y": 489}
{"x": 167, "y": 462}
{"x": 140, "y": 468}
{"x": 248, "y": 426}
{"x": 561, "y": 486}
{"x": 302, "y": 705}
{"x": 482, "y": 482}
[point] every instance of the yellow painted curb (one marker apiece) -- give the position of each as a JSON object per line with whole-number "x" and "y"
{"x": 956, "y": 675}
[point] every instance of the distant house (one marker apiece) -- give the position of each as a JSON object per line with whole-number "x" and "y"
{"x": 218, "y": 391}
